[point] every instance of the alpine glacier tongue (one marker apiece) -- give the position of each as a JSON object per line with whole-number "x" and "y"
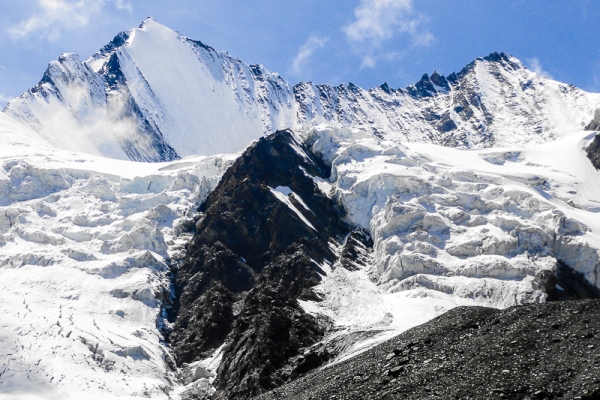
{"x": 84, "y": 249}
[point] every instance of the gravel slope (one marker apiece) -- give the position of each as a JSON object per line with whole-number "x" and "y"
{"x": 536, "y": 351}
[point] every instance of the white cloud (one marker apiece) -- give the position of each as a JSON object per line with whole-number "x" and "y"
{"x": 594, "y": 85}
{"x": 4, "y": 98}
{"x": 305, "y": 52}
{"x": 368, "y": 61}
{"x": 380, "y": 20}
{"x": 122, "y": 5}
{"x": 536, "y": 66}
{"x": 53, "y": 16}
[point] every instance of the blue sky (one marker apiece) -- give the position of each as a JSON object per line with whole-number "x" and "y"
{"x": 365, "y": 42}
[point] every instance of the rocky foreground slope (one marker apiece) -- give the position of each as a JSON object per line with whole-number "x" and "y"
{"x": 537, "y": 351}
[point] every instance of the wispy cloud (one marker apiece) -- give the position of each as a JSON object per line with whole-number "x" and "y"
{"x": 376, "y": 21}
{"x": 368, "y": 61}
{"x": 4, "y": 98}
{"x": 594, "y": 83}
{"x": 536, "y": 66}
{"x": 123, "y": 5}
{"x": 53, "y": 16}
{"x": 306, "y": 51}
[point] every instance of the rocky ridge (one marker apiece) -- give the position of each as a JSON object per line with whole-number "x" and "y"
{"x": 161, "y": 96}
{"x": 593, "y": 152}
{"x": 260, "y": 241}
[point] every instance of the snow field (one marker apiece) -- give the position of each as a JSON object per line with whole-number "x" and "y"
{"x": 84, "y": 244}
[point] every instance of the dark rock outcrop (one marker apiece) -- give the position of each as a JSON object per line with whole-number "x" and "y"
{"x": 259, "y": 242}
{"x": 594, "y": 124}
{"x": 565, "y": 283}
{"x": 593, "y": 152}
{"x": 536, "y": 351}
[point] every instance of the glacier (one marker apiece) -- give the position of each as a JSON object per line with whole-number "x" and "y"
{"x": 86, "y": 244}
{"x": 454, "y": 227}
{"x": 474, "y": 187}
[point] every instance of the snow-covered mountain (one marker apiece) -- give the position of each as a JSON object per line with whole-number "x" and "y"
{"x": 230, "y": 275}
{"x": 152, "y": 94}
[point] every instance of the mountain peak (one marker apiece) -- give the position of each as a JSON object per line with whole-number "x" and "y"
{"x": 503, "y": 59}
{"x": 186, "y": 98}
{"x": 68, "y": 56}
{"x": 386, "y": 88}
{"x": 497, "y": 57}
{"x": 152, "y": 25}
{"x": 148, "y": 20}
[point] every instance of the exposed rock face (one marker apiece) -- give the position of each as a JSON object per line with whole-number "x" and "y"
{"x": 593, "y": 152}
{"x": 259, "y": 242}
{"x": 564, "y": 283}
{"x": 537, "y": 351}
{"x": 594, "y": 124}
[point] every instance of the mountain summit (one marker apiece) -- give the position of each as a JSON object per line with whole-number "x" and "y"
{"x": 152, "y": 94}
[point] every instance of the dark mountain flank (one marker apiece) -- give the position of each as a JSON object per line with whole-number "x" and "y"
{"x": 536, "y": 351}
{"x": 593, "y": 151}
{"x": 259, "y": 240}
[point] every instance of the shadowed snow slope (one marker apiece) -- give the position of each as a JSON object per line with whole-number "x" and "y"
{"x": 152, "y": 94}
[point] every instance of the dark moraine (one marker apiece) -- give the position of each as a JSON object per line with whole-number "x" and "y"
{"x": 537, "y": 351}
